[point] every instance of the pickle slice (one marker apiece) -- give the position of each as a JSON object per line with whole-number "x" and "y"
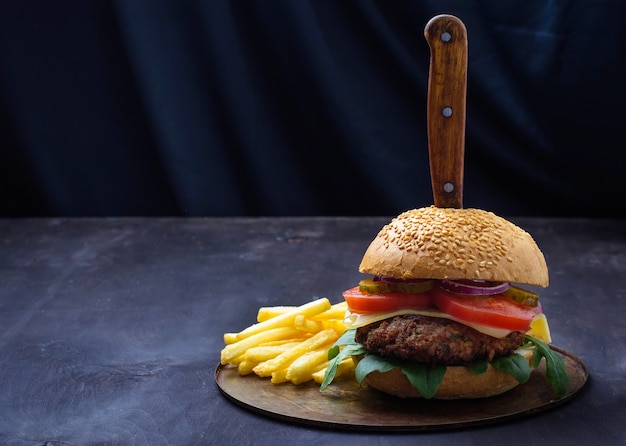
{"x": 522, "y": 296}
{"x": 378, "y": 286}
{"x": 372, "y": 287}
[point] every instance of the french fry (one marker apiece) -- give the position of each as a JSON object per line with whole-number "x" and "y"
{"x": 230, "y": 338}
{"x": 284, "y": 359}
{"x": 283, "y": 320}
{"x": 266, "y": 313}
{"x": 289, "y": 343}
{"x": 245, "y": 367}
{"x": 232, "y": 351}
{"x": 303, "y": 367}
{"x": 253, "y": 356}
{"x": 336, "y": 325}
{"x": 343, "y": 368}
{"x": 279, "y": 376}
{"x": 265, "y": 352}
{"x": 336, "y": 311}
{"x": 301, "y": 337}
{"x": 304, "y": 324}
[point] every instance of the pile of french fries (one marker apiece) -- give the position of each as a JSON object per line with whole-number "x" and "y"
{"x": 289, "y": 343}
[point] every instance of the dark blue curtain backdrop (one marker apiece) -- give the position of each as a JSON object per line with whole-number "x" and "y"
{"x": 294, "y": 107}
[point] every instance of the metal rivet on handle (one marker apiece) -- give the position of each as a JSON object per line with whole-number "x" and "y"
{"x": 446, "y": 112}
{"x": 446, "y": 36}
{"x": 448, "y": 187}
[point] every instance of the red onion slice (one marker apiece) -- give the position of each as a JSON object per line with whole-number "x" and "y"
{"x": 475, "y": 287}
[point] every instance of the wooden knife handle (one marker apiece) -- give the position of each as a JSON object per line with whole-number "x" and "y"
{"x": 447, "y": 90}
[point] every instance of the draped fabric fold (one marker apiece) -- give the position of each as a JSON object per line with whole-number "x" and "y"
{"x": 250, "y": 107}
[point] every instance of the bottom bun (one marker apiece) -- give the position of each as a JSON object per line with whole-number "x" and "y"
{"x": 458, "y": 382}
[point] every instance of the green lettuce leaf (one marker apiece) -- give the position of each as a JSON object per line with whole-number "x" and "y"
{"x": 424, "y": 377}
{"x": 515, "y": 365}
{"x": 478, "y": 367}
{"x": 336, "y": 354}
{"x": 556, "y": 375}
{"x": 369, "y": 364}
{"x": 346, "y": 338}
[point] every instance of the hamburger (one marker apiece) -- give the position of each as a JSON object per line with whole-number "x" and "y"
{"x": 448, "y": 310}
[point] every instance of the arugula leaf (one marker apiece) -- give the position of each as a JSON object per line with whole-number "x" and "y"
{"x": 478, "y": 367}
{"x": 369, "y": 364}
{"x": 424, "y": 377}
{"x": 333, "y": 351}
{"x": 515, "y": 365}
{"x": 556, "y": 375}
{"x": 345, "y": 339}
{"x": 336, "y": 354}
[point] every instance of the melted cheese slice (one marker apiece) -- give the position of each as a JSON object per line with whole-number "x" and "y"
{"x": 538, "y": 327}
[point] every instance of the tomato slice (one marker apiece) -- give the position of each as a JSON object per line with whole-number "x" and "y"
{"x": 361, "y": 302}
{"x": 496, "y": 310}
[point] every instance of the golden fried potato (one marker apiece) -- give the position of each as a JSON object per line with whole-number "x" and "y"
{"x": 288, "y": 343}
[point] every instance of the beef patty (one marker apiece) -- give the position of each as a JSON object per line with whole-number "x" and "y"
{"x": 415, "y": 338}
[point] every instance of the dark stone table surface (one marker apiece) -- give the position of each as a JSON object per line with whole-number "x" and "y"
{"x": 111, "y": 328}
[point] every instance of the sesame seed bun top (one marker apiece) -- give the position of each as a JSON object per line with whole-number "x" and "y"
{"x": 451, "y": 243}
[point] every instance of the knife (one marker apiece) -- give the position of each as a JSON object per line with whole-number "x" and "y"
{"x": 447, "y": 89}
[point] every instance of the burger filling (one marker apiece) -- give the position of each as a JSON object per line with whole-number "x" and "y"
{"x": 415, "y": 338}
{"x": 424, "y": 326}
